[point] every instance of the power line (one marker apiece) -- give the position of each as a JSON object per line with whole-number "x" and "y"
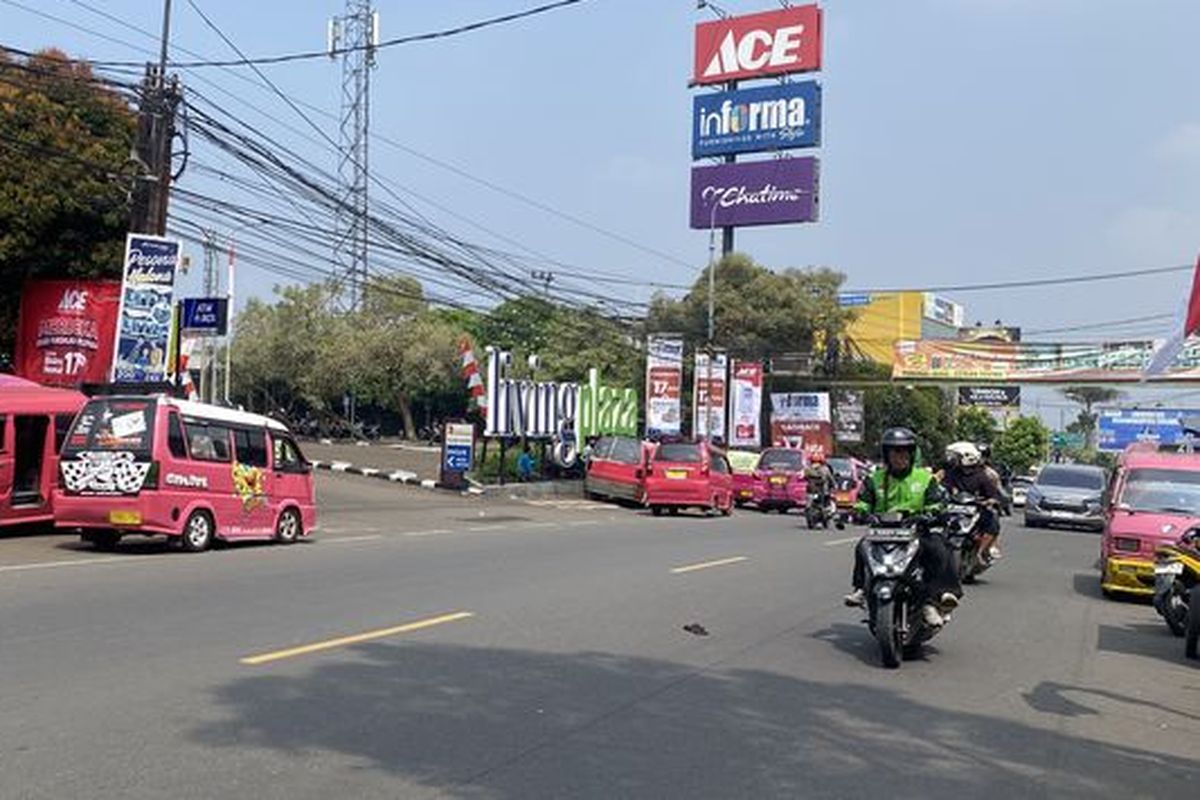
{"x": 1022, "y": 284}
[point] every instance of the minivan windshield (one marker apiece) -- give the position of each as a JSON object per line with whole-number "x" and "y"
{"x": 112, "y": 424}
{"x": 679, "y": 453}
{"x": 1071, "y": 478}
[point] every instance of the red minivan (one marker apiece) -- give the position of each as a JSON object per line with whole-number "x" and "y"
{"x": 689, "y": 475}
{"x": 34, "y": 421}
{"x": 616, "y": 469}
{"x": 155, "y": 465}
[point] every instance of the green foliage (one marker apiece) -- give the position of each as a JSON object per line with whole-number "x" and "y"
{"x": 63, "y": 210}
{"x": 975, "y": 424}
{"x": 758, "y": 313}
{"x": 1025, "y": 443}
{"x": 1089, "y": 397}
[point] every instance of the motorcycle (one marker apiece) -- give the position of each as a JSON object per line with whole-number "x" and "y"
{"x": 821, "y": 510}
{"x": 1176, "y": 598}
{"x": 895, "y": 587}
{"x": 961, "y": 520}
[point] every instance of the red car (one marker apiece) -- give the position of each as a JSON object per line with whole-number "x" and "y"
{"x": 848, "y": 482}
{"x": 743, "y": 463}
{"x": 689, "y": 475}
{"x": 779, "y": 480}
{"x": 617, "y": 469}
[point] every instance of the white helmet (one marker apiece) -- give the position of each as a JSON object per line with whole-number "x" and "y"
{"x": 965, "y": 453}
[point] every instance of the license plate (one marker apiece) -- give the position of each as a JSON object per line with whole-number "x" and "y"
{"x": 1174, "y": 568}
{"x": 1056, "y": 513}
{"x": 124, "y": 518}
{"x": 677, "y": 474}
{"x": 1129, "y": 568}
{"x": 779, "y": 480}
{"x": 843, "y": 497}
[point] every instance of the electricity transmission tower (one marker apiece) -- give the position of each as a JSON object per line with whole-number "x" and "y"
{"x": 353, "y": 37}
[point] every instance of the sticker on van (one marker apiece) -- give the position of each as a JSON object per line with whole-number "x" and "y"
{"x": 105, "y": 473}
{"x": 249, "y": 484}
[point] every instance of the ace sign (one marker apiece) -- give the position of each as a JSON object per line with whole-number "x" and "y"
{"x": 758, "y": 45}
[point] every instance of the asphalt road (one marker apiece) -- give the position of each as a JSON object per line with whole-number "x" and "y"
{"x": 427, "y": 645}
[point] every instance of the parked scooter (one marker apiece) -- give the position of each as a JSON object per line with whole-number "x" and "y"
{"x": 1176, "y": 597}
{"x": 895, "y": 587}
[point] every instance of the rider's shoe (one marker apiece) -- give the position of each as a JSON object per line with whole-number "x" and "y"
{"x": 856, "y": 599}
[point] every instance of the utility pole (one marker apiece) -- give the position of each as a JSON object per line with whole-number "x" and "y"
{"x": 354, "y": 36}
{"x": 208, "y": 376}
{"x": 152, "y": 150}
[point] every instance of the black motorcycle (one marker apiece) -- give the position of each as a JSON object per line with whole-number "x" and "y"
{"x": 821, "y": 510}
{"x": 895, "y": 587}
{"x": 960, "y": 524}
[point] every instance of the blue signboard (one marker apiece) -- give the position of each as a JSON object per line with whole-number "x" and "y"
{"x": 1119, "y": 429}
{"x": 854, "y": 299}
{"x": 205, "y": 316}
{"x": 147, "y": 306}
{"x": 778, "y": 117}
{"x": 458, "y": 458}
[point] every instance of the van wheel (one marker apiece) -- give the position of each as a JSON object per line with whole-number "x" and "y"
{"x": 288, "y": 528}
{"x": 656, "y": 510}
{"x": 197, "y": 532}
{"x": 104, "y": 541}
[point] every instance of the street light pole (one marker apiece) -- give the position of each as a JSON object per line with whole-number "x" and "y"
{"x": 712, "y": 293}
{"x": 229, "y": 300}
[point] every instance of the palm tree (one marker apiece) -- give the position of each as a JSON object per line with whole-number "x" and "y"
{"x": 1089, "y": 397}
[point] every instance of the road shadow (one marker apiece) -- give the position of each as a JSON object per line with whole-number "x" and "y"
{"x": 506, "y": 723}
{"x": 1050, "y": 697}
{"x": 1149, "y": 639}
{"x": 1088, "y": 585}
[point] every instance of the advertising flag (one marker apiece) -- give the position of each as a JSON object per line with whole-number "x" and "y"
{"x": 747, "y": 404}
{"x": 802, "y": 420}
{"x": 65, "y": 332}
{"x": 144, "y": 322}
{"x": 1187, "y": 323}
{"x": 664, "y": 382}
{"x": 708, "y": 406}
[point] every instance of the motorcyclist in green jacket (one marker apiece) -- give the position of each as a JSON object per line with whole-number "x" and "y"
{"x": 901, "y": 486}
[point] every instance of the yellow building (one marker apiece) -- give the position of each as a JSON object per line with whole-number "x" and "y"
{"x": 882, "y": 318}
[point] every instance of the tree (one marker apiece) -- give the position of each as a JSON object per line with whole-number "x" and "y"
{"x": 1025, "y": 443}
{"x": 975, "y": 424}
{"x": 65, "y": 141}
{"x": 1089, "y": 397}
{"x": 758, "y": 313}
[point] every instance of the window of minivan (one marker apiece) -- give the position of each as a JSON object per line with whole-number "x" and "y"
{"x": 250, "y": 445}
{"x": 679, "y": 453}
{"x": 288, "y": 457}
{"x": 782, "y": 459}
{"x": 1071, "y": 478}
{"x": 207, "y": 441}
{"x": 113, "y": 424}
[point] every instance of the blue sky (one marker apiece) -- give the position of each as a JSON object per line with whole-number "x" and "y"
{"x": 964, "y": 140}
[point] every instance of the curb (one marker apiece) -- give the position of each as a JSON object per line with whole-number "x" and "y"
{"x": 395, "y": 476}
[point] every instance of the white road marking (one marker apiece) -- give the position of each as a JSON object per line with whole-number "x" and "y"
{"x": 583, "y": 522}
{"x": 83, "y": 562}
{"x": 343, "y": 539}
{"x": 434, "y": 532}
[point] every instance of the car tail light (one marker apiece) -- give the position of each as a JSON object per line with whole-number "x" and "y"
{"x": 1127, "y": 544}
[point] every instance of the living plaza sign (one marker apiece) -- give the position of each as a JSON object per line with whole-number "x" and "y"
{"x": 565, "y": 413}
{"x": 783, "y": 116}
{"x": 757, "y": 45}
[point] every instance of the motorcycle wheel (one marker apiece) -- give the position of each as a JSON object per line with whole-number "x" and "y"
{"x": 1175, "y": 612}
{"x": 809, "y": 521}
{"x": 1192, "y": 635}
{"x": 887, "y": 633}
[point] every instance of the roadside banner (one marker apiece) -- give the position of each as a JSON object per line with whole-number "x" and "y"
{"x": 709, "y": 385}
{"x": 746, "y": 412}
{"x": 144, "y": 321}
{"x": 802, "y": 420}
{"x": 848, "y": 417}
{"x": 458, "y": 453}
{"x": 664, "y": 382}
{"x": 65, "y": 331}
{"x": 1162, "y": 426}
{"x": 1030, "y": 362}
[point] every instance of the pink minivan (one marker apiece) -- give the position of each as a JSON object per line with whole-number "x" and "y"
{"x": 155, "y": 465}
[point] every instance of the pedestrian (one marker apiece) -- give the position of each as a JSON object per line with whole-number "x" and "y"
{"x": 525, "y": 465}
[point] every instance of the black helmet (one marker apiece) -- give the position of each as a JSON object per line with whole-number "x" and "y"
{"x": 897, "y": 439}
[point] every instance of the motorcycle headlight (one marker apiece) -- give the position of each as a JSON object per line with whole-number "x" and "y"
{"x": 892, "y": 563}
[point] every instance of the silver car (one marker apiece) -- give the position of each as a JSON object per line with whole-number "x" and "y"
{"x": 1067, "y": 494}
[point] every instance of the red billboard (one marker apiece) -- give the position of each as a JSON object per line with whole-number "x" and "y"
{"x": 758, "y": 45}
{"x": 66, "y": 331}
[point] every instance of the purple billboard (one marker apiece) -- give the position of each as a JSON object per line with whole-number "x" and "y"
{"x": 755, "y": 193}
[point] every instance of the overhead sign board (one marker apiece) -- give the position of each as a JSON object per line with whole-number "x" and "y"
{"x": 758, "y": 45}
{"x": 1161, "y": 426}
{"x": 990, "y": 396}
{"x": 204, "y": 316}
{"x": 771, "y": 192}
{"x": 1035, "y": 361}
{"x": 778, "y": 117}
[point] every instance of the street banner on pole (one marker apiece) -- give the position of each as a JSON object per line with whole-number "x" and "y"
{"x": 144, "y": 321}
{"x": 849, "y": 417}
{"x": 802, "y": 420}
{"x": 205, "y": 316}
{"x": 65, "y": 331}
{"x": 747, "y": 404}
{"x": 709, "y": 386}
{"x": 664, "y": 382}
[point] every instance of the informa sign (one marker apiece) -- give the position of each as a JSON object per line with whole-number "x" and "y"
{"x": 664, "y": 384}
{"x": 802, "y": 420}
{"x": 205, "y": 316}
{"x": 458, "y": 452}
{"x": 65, "y": 332}
{"x": 779, "y": 117}
{"x": 758, "y": 45}
{"x": 781, "y": 190}
{"x": 1030, "y": 362}
{"x": 746, "y": 412}
{"x": 144, "y": 322}
{"x": 1162, "y": 426}
{"x": 709, "y": 385}
{"x": 848, "y": 418}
